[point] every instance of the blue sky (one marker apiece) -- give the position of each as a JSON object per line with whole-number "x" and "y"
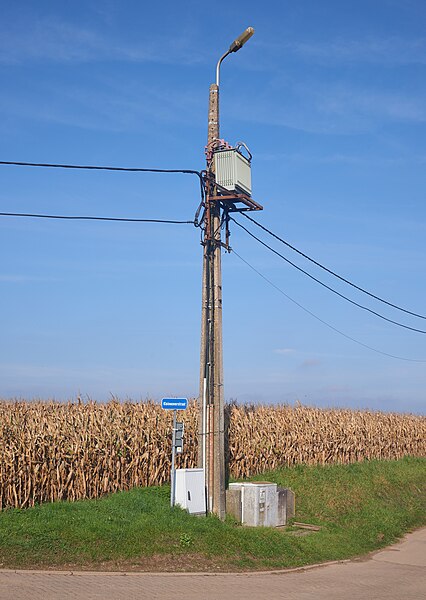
{"x": 331, "y": 99}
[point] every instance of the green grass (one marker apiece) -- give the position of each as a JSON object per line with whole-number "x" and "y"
{"x": 359, "y": 507}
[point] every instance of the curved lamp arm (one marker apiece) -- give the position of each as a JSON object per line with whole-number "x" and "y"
{"x": 234, "y": 47}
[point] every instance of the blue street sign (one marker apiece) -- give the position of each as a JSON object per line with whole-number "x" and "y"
{"x": 174, "y": 403}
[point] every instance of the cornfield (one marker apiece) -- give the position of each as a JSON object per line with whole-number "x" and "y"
{"x": 52, "y": 451}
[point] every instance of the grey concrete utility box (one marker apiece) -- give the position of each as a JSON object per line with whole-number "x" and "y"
{"x": 259, "y": 503}
{"x": 286, "y": 506}
{"x": 233, "y": 502}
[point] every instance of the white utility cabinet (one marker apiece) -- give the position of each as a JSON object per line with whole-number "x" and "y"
{"x": 233, "y": 170}
{"x": 190, "y": 490}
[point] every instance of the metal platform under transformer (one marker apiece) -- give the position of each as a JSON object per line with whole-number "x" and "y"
{"x": 230, "y": 200}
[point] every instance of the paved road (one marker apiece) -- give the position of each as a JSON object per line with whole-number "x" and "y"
{"x": 397, "y": 573}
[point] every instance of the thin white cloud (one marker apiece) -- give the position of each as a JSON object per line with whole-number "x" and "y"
{"x": 57, "y": 41}
{"x": 285, "y": 351}
{"x": 50, "y": 40}
{"x": 334, "y": 108}
{"x": 392, "y": 50}
{"x": 105, "y": 105}
{"x": 346, "y": 100}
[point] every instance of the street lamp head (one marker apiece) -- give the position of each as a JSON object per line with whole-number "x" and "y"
{"x": 241, "y": 40}
{"x": 234, "y": 47}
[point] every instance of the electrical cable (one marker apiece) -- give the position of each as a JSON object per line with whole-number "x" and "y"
{"x": 199, "y": 174}
{"x": 84, "y": 218}
{"x": 197, "y": 221}
{"x": 327, "y": 286}
{"x": 318, "y": 264}
{"x": 100, "y": 168}
{"x": 321, "y": 320}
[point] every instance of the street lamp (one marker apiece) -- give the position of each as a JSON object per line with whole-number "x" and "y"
{"x": 211, "y": 454}
{"x": 234, "y": 47}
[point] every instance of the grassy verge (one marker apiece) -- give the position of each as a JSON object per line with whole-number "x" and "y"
{"x": 359, "y": 507}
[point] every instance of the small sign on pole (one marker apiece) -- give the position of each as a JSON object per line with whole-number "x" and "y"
{"x": 175, "y": 404}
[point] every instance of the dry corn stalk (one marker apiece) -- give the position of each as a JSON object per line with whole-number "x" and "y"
{"x": 52, "y": 451}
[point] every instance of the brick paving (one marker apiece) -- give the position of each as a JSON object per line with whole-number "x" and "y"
{"x": 395, "y": 573}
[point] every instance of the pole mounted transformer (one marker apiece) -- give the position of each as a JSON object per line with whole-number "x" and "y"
{"x": 233, "y": 169}
{"x": 227, "y": 189}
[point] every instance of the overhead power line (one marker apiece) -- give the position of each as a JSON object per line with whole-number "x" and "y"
{"x": 99, "y": 168}
{"x": 325, "y": 285}
{"x": 322, "y": 320}
{"x": 84, "y": 218}
{"x": 199, "y": 174}
{"x": 318, "y": 264}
